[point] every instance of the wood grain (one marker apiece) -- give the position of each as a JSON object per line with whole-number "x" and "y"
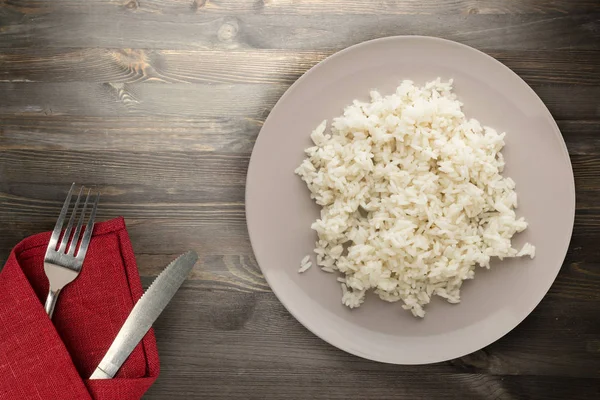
{"x": 139, "y": 134}
{"x": 178, "y": 173}
{"x": 578, "y": 67}
{"x": 160, "y": 102}
{"x": 177, "y": 100}
{"x": 293, "y": 32}
{"x": 153, "y": 134}
{"x": 239, "y": 100}
{"x": 308, "y": 7}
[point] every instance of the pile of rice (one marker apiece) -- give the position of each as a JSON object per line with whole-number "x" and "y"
{"x": 412, "y": 197}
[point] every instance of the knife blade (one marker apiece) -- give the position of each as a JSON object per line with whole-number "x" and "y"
{"x": 144, "y": 313}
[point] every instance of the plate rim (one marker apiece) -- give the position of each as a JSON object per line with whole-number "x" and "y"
{"x": 556, "y": 131}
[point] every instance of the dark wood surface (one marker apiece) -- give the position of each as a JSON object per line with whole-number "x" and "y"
{"x": 159, "y": 103}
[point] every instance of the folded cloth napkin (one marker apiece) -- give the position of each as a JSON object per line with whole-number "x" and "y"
{"x": 43, "y": 359}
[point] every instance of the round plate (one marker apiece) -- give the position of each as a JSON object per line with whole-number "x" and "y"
{"x": 279, "y": 210}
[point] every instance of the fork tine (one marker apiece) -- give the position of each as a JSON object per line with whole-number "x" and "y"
{"x": 75, "y": 239}
{"x": 67, "y": 235}
{"x": 61, "y": 220}
{"x": 87, "y": 235}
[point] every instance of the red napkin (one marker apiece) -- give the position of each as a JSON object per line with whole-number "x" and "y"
{"x": 43, "y": 359}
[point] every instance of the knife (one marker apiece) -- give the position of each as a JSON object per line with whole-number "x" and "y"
{"x": 145, "y": 312}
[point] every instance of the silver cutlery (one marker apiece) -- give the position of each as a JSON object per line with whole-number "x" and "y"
{"x": 144, "y": 313}
{"x": 61, "y": 264}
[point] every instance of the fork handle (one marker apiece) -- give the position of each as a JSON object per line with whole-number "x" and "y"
{"x": 51, "y": 301}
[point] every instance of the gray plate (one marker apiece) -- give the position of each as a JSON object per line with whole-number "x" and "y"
{"x": 280, "y": 212}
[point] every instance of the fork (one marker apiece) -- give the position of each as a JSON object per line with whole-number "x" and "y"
{"x": 62, "y": 265}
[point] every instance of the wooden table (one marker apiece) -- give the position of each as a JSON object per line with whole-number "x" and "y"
{"x": 159, "y": 103}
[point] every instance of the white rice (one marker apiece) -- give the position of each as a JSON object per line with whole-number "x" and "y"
{"x": 412, "y": 197}
{"x": 305, "y": 264}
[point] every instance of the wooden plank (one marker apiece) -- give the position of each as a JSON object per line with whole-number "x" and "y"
{"x": 151, "y": 236}
{"x": 247, "y": 66}
{"x": 133, "y": 134}
{"x": 209, "y": 101}
{"x": 581, "y": 137}
{"x": 227, "y": 262}
{"x": 326, "y": 384}
{"x": 209, "y": 177}
{"x": 586, "y": 176}
{"x": 110, "y": 100}
{"x": 223, "y": 218}
{"x": 292, "y": 32}
{"x": 136, "y": 65}
{"x": 117, "y": 202}
{"x": 309, "y": 7}
{"x": 382, "y": 7}
{"x": 149, "y": 134}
